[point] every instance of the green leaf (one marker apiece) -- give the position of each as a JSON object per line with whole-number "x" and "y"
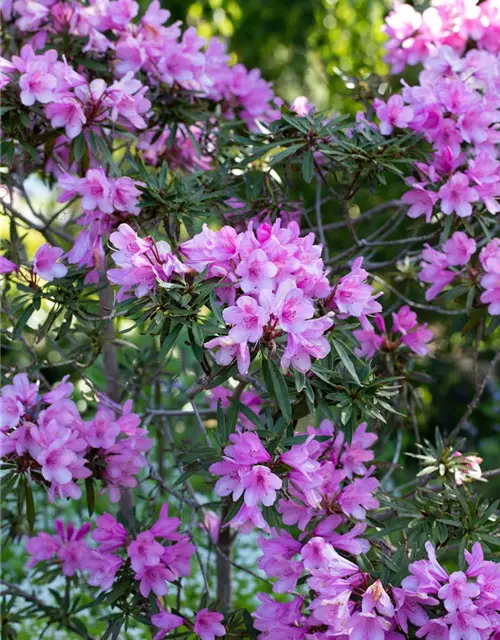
{"x": 300, "y": 380}
{"x": 222, "y": 376}
{"x": 396, "y": 525}
{"x": 197, "y": 333}
{"x": 346, "y": 361}
{"x": 232, "y": 418}
{"x": 215, "y": 308}
{"x": 22, "y": 321}
{"x": 252, "y": 416}
{"x": 301, "y": 124}
{"x": 93, "y": 64}
{"x": 30, "y": 149}
{"x": 79, "y": 147}
{"x": 470, "y": 299}
{"x": 30, "y": 507}
{"x": 271, "y": 516}
{"x": 277, "y": 387}
{"x": 308, "y": 166}
{"x": 118, "y": 590}
{"x": 8, "y": 149}
{"x": 221, "y": 422}
{"x": 90, "y": 490}
{"x": 8, "y": 482}
{"x": 448, "y": 225}
{"x": 170, "y": 340}
{"x": 285, "y": 153}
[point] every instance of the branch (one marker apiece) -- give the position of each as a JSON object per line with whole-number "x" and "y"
{"x": 364, "y": 216}
{"x": 319, "y": 220}
{"x": 111, "y": 374}
{"x": 418, "y": 305}
{"x": 480, "y": 387}
{"x": 32, "y": 225}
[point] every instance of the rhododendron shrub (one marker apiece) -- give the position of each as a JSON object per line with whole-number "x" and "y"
{"x": 224, "y": 320}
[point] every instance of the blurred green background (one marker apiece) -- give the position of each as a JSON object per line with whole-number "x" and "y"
{"x": 309, "y": 47}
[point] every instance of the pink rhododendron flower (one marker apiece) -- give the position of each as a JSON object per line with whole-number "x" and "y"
{"x": 67, "y": 113}
{"x": 260, "y": 485}
{"x": 256, "y": 272}
{"x": 457, "y": 196}
{"x": 207, "y": 624}
{"x": 96, "y": 191}
{"x": 352, "y": 296}
{"x": 392, "y": 114}
{"x": 153, "y": 578}
{"x": 166, "y": 622}
{"x": 110, "y": 534}
{"x": 458, "y": 593}
{"x": 247, "y": 318}
{"x": 7, "y": 266}
{"x": 46, "y": 265}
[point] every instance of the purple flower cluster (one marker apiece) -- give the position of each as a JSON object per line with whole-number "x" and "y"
{"x": 415, "y": 36}
{"x": 141, "y": 263}
{"x": 104, "y": 201}
{"x": 413, "y": 335}
{"x": 347, "y": 603}
{"x": 274, "y": 280}
{"x": 99, "y": 194}
{"x": 321, "y": 478}
{"x": 69, "y": 99}
{"x": 47, "y": 437}
{"x": 329, "y": 483}
{"x": 166, "y": 54}
{"x": 246, "y": 471}
{"x": 153, "y": 563}
{"x": 456, "y": 108}
{"x": 441, "y": 268}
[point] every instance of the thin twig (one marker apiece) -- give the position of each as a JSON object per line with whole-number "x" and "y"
{"x": 395, "y": 459}
{"x": 319, "y": 221}
{"x": 201, "y": 426}
{"x": 418, "y": 305}
{"x": 480, "y": 387}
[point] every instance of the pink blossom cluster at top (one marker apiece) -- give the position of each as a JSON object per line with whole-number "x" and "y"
{"x": 415, "y": 336}
{"x": 274, "y": 278}
{"x": 69, "y": 99}
{"x": 321, "y": 479}
{"x": 441, "y": 268}
{"x": 151, "y": 562}
{"x": 141, "y": 263}
{"x": 456, "y": 107}
{"x": 47, "y": 437}
{"x": 346, "y": 603}
{"x": 415, "y": 36}
{"x": 45, "y": 264}
{"x": 166, "y": 54}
